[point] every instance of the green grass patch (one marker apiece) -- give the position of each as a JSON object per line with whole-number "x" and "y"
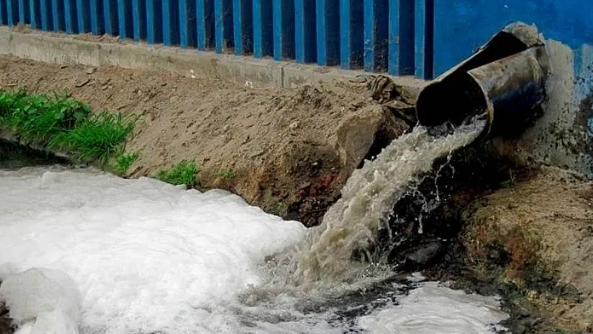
{"x": 124, "y": 161}
{"x": 37, "y": 118}
{"x": 97, "y": 138}
{"x": 183, "y": 173}
{"x": 62, "y": 123}
{"x": 226, "y": 174}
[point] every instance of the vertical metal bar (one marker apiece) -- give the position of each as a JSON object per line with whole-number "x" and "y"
{"x": 13, "y": 14}
{"x": 223, "y": 25}
{"x": 328, "y": 32}
{"x": 22, "y": 16}
{"x": 375, "y": 35}
{"x": 35, "y": 14}
{"x": 304, "y": 17}
{"x": 263, "y": 33}
{"x": 57, "y": 13}
{"x": 424, "y": 32}
{"x": 170, "y": 22}
{"x": 205, "y": 24}
{"x": 3, "y": 11}
{"x": 284, "y": 29}
{"x": 124, "y": 19}
{"x": 97, "y": 22}
{"x": 420, "y": 38}
{"x": 110, "y": 17}
{"x": 139, "y": 19}
{"x": 351, "y": 33}
{"x": 401, "y": 37}
{"x": 70, "y": 22}
{"x": 83, "y": 13}
{"x": 154, "y": 31}
{"x": 243, "y": 26}
{"x": 46, "y": 17}
{"x": 187, "y": 23}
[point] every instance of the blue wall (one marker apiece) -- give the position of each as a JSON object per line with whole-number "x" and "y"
{"x": 464, "y": 25}
{"x": 402, "y": 37}
{"x": 371, "y": 35}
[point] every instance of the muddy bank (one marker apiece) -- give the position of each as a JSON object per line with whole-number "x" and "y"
{"x": 287, "y": 151}
{"x": 536, "y": 234}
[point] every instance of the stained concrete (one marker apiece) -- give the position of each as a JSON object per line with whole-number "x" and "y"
{"x": 63, "y": 49}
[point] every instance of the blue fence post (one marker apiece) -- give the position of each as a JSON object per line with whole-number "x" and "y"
{"x": 328, "y": 32}
{"x": 424, "y": 32}
{"x": 205, "y": 24}
{"x": 110, "y": 17}
{"x": 124, "y": 18}
{"x": 170, "y": 22}
{"x": 57, "y": 14}
{"x": 263, "y": 25}
{"x": 375, "y": 35}
{"x": 46, "y": 16}
{"x": 139, "y": 19}
{"x": 22, "y": 16}
{"x": 351, "y": 33}
{"x": 3, "y": 11}
{"x": 401, "y": 37}
{"x": 284, "y": 29}
{"x": 223, "y": 25}
{"x": 35, "y": 14}
{"x": 70, "y": 22}
{"x": 243, "y": 26}
{"x": 187, "y": 23}
{"x": 154, "y": 29}
{"x": 12, "y": 13}
{"x": 304, "y": 17}
{"x": 97, "y": 22}
{"x": 83, "y": 13}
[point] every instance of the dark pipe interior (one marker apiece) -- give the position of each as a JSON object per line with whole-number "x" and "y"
{"x": 452, "y": 101}
{"x": 458, "y": 96}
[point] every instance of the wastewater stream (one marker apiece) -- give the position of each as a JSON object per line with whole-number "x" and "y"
{"x": 82, "y": 251}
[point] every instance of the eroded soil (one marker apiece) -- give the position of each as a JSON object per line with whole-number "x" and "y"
{"x": 290, "y": 150}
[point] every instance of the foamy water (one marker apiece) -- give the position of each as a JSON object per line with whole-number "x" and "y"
{"x": 83, "y": 251}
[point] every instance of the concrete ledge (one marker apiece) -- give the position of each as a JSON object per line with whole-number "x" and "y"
{"x": 64, "y": 49}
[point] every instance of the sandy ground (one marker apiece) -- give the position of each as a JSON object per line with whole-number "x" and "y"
{"x": 538, "y": 229}
{"x": 290, "y": 149}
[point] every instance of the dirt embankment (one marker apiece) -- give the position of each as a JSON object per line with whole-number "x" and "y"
{"x": 536, "y": 234}
{"x": 289, "y": 150}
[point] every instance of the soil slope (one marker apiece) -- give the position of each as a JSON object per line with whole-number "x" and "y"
{"x": 290, "y": 150}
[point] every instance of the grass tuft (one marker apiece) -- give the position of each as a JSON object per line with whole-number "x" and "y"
{"x": 124, "y": 161}
{"x": 182, "y": 173}
{"x": 97, "y": 138}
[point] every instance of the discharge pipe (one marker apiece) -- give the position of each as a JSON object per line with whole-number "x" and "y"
{"x": 505, "y": 81}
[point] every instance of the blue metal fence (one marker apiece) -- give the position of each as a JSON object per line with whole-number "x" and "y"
{"x": 374, "y": 35}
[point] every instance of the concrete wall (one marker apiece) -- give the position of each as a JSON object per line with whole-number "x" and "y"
{"x": 66, "y": 49}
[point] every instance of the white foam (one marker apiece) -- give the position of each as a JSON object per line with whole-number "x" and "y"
{"x": 434, "y": 309}
{"x": 147, "y": 257}
{"x": 38, "y": 291}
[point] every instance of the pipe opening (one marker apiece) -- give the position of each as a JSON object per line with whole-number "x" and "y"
{"x": 504, "y": 78}
{"x": 456, "y": 100}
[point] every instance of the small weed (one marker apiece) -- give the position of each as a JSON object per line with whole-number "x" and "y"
{"x": 182, "y": 173}
{"x": 226, "y": 173}
{"x": 124, "y": 161}
{"x": 97, "y": 138}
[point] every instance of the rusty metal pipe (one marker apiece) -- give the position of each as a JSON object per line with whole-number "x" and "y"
{"x": 505, "y": 80}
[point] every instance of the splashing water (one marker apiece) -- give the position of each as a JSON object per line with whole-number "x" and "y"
{"x": 367, "y": 201}
{"x": 140, "y": 256}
